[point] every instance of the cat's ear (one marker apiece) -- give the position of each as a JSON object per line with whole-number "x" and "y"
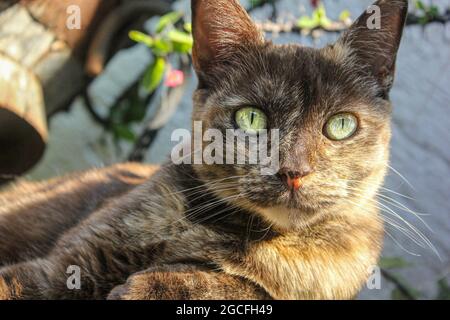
{"x": 374, "y": 40}
{"x": 220, "y": 28}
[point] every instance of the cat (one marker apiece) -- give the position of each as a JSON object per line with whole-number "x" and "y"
{"x": 310, "y": 231}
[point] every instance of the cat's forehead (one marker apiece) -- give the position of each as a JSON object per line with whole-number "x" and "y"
{"x": 285, "y": 74}
{"x": 295, "y": 63}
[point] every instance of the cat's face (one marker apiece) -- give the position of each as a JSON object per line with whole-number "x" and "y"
{"x": 330, "y": 107}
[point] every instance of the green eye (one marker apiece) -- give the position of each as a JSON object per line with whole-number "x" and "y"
{"x": 341, "y": 126}
{"x": 251, "y": 119}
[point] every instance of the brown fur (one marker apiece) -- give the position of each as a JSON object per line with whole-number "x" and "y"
{"x": 41, "y": 212}
{"x": 221, "y": 231}
{"x": 176, "y": 283}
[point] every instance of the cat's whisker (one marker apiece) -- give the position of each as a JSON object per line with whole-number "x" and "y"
{"x": 202, "y": 185}
{"x": 216, "y": 189}
{"x": 404, "y": 208}
{"x": 380, "y": 187}
{"x": 400, "y": 245}
{"x": 214, "y": 186}
{"x": 392, "y": 223}
{"x": 208, "y": 205}
{"x": 197, "y": 210}
{"x": 236, "y": 209}
{"x": 190, "y": 154}
{"x": 267, "y": 230}
{"x": 422, "y": 240}
{"x": 401, "y": 176}
{"x": 403, "y": 230}
{"x": 205, "y": 206}
{"x": 396, "y": 204}
{"x": 219, "y": 188}
{"x": 249, "y": 226}
{"x": 417, "y": 231}
{"x": 397, "y": 193}
{"x": 360, "y": 192}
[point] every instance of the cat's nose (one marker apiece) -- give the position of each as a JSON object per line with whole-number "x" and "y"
{"x": 293, "y": 178}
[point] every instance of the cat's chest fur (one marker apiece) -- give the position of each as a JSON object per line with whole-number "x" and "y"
{"x": 288, "y": 265}
{"x": 312, "y": 266}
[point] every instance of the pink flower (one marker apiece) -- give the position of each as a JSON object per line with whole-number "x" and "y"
{"x": 315, "y": 3}
{"x": 174, "y": 78}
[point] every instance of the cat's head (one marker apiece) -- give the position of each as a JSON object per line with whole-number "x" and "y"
{"x": 330, "y": 105}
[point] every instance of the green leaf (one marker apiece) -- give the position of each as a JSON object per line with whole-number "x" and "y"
{"x": 137, "y": 108}
{"x": 180, "y": 37}
{"x": 137, "y": 112}
{"x": 321, "y": 15}
{"x": 429, "y": 12}
{"x": 345, "y": 15}
{"x": 433, "y": 11}
{"x": 169, "y": 19}
{"x": 444, "y": 290}
{"x": 182, "y": 48}
{"x": 325, "y": 22}
{"x": 182, "y": 42}
{"x": 320, "y": 12}
{"x": 397, "y": 294}
{"x": 188, "y": 27}
{"x": 141, "y": 37}
{"x": 419, "y": 5}
{"x": 123, "y": 132}
{"x": 256, "y": 3}
{"x": 117, "y": 112}
{"x": 306, "y": 22}
{"x": 423, "y": 20}
{"x": 392, "y": 263}
{"x": 154, "y": 75}
{"x": 162, "y": 47}
{"x": 318, "y": 19}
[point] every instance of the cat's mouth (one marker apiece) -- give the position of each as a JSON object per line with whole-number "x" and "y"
{"x": 303, "y": 201}
{"x": 294, "y": 210}
{"x": 270, "y": 192}
{"x": 289, "y": 217}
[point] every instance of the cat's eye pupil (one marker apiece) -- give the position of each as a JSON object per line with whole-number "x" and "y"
{"x": 341, "y": 126}
{"x": 251, "y": 119}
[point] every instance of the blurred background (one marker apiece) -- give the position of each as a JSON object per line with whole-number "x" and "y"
{"x": 89, "y": 83}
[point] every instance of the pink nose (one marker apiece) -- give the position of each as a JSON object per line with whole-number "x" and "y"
{"x": 292, "y": 179}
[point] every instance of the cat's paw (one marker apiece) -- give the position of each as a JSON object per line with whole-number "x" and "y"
{"x": 155, "y": 284}
{"x": 4, "y": 289}
{"x": 151, "y": 286}
{"x": 9, "y": 288}
{"x": 17, "y": 282}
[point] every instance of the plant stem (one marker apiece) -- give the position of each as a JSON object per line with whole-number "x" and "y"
{"x": 404, "y": 290}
